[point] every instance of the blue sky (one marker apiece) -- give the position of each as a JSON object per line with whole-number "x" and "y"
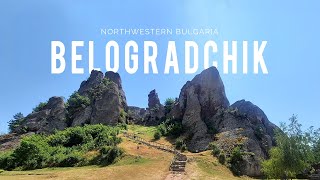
{"x": 290, "y": 27}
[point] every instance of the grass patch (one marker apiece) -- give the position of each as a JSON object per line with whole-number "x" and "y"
{"x": 146, "y": 132}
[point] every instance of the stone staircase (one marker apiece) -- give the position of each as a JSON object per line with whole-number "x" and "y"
{"x": 178, "y": 162}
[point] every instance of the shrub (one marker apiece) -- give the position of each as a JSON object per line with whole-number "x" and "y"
{"x": 71, "y": 159}
{"x": 75, "y": 103}
{"x": 222, "y": 158}
{"x": 63, "y": 148}
{"x": 123, "y": 116}
{"x": 32, "y": 153}
{"x": 39, "y": 107}
{"x": 157, "y": 135}
{"x": 168, "y": 104}
{"x": 108, "y": 154}
{"x": 7, "y": 162}
{"x": 162, "y": 129}
{"x": 235, "y": 161}
{"x": 179, "y": 143}
{"x": 170, "y": 127}
{"x": 122, "y": 126}
{"x": 183, "y": 147}
{"x": 215, "y": 150}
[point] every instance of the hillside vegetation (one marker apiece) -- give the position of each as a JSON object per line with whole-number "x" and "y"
{"x": 137, "y": 162}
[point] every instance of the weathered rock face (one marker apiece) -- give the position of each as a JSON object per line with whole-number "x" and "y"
{"x": 94, "y": 80}
{"x": 204, "y": 110}
{"x": 51, "y": 117}
{"x": 107, "y": 106}
{"x": 108, "y": 100}
{"x": 256, "y": 116}
{"x": 136, "y": 115}
{"x": 155, "y": 111}
{"x": 253, "y": 126}
{"x": 115, "y": 77}
{"x": 11, "y": 141}
{"x": 153, "y": 100}
{"x": 199, "y": 100}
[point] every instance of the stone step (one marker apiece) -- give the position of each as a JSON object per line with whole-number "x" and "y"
{"x": 180, "y": 169}
{"x": 179, "y": 163}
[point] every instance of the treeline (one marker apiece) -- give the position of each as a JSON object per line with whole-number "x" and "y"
{"x": 66, "y": 148}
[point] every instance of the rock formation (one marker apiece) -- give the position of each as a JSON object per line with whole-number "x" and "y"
{"x": 108, "y": 100}
{"x": 204, "y": 110}
{"x": 51, "y": 117}
{"x": 115, "y": 77}
{"x": 202, "y": 107}
{"x": 94, "y": 80}
{"x": 155, "y": 110}
{"x": 136, "y": 115}
{"x": 199, "y": 100}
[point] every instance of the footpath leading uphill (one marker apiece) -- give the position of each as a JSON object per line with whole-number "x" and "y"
{"x": 179, "y": 160}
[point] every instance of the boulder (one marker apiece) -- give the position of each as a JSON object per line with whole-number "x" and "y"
{"x": 51, "y": 117}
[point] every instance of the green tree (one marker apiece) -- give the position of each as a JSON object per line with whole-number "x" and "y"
{"x": 157, "y": 135}
{"x": 16, "y": 121}
{"x": 75, "y": 103}
{"x": 293, "y": 153}
{"x": 39, "y": 107}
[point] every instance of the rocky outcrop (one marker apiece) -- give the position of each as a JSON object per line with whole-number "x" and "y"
{"x": 136, "y": 115}
{"x": 94, "y": 80}
{"x": 108, "y": 100}
{"x": 51, "y": 117}
{"x": 204, "y": 110}
{"x": 155, "y": 111}
{"x": 153, "y": 115}
{"x": 115, "y": 77}
{"x": 256, "y": 131}
{"x": 255, "y": 115}
{"x": 11, "y": 141}
{"x": 153, "y": 100}
{"x": 199, "y": 100}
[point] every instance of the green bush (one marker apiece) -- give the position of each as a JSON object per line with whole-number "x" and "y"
{"x": 215, "y": 150}
{"x": 75, "y": 103}
{"x": 171, "y": 127}
{"x": 179, "y": 143}
{"x": 168, "y": 105}
{"x": 71, "y": 159}
{"x": 222, "y": 158}
{"x": 157, "y": 135}
{"x": 108, "y": 154}
{"x": 7, "y": 162}
{"x": 65, "y": 148}
{"x": 183, "y": 147}
{"x": 236, "y": 159}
